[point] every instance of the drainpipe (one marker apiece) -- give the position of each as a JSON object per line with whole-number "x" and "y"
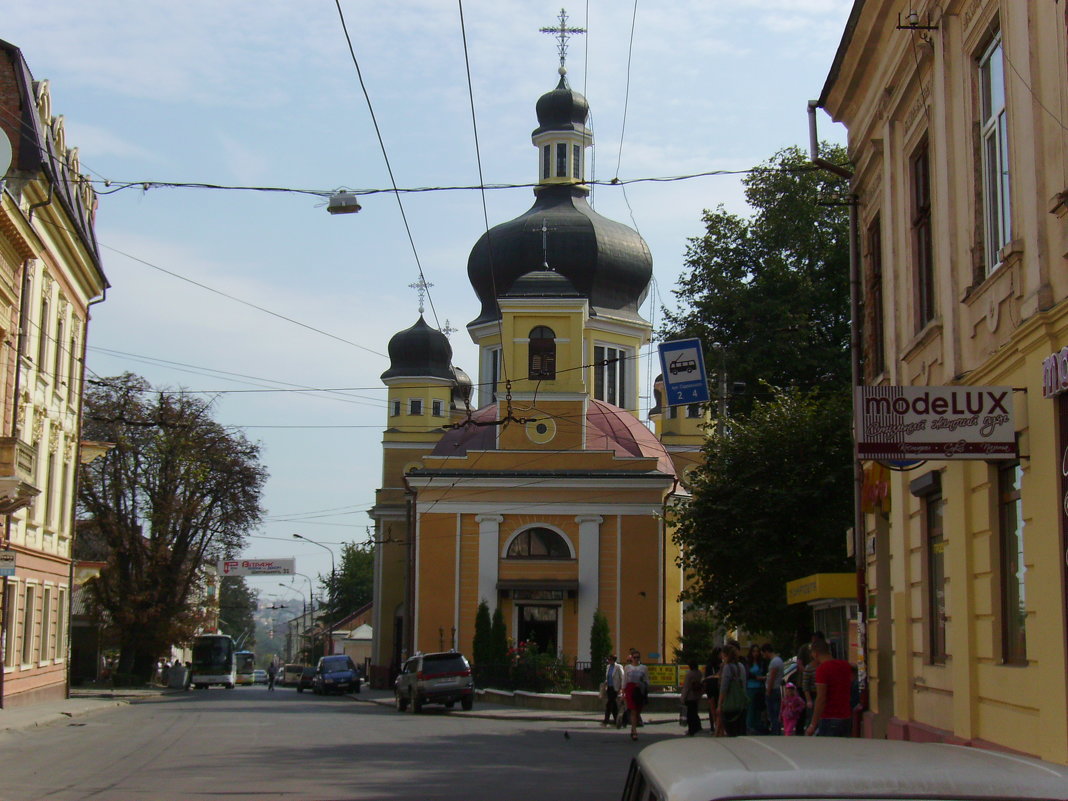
{"x": 857, "y": 378}
{"x": 408, "y": 643}
{"x": 77, "y": 478}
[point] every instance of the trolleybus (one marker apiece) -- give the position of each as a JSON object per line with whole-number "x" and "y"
{"x": 246, "y": 667}
{"x": 213, "y": 661}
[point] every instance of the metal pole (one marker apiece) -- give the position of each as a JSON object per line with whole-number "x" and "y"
{"x": 333, "y": 586}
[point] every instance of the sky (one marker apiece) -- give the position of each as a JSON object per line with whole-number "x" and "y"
{"x": 265, "y": 93}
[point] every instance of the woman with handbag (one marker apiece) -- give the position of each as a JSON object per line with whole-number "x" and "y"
{"x": 733, "y": 701}
{"x": 635, "y": 690}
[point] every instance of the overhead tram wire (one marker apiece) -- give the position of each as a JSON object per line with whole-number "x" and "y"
{"x": 385, "y": 158}
{"x": 482, "y": 187}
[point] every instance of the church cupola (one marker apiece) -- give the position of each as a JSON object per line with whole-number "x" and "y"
{"x": 562, "y": 136}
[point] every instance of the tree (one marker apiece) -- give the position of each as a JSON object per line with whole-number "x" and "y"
{"x": 700, "y": 633}
{"x": 769, "y": 295}
{"x": 481, "y": 646}
{"x": 600, "y": 642}
{"x": 237, "y": 610}
{"x": 352, "y": 586}
{"x": 772, "y": 503}
{"x": 176, "y": 492}
{"x": 498, "y": 638}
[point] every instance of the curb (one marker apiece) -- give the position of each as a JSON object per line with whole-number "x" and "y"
{"x": 527, "y": 717}
{"x": 54, "y": 718}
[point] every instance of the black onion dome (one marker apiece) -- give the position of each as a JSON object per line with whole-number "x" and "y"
{"x": 462, "y": 387}
{"x": 541, "y": 284}
{"x": 419, "y": 351}
{"x": 562, "y": 109}
{"x": 604, "y": 260}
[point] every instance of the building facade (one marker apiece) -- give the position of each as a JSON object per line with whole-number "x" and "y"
{"x": 50, "y": 273}
{"x": 956, "y": 117}
{"x": 538, "y": 490}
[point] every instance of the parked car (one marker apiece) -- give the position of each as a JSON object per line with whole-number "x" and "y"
{"x": 772, "y": 768}
{"x": 336, "y": 674}
{"x": 290, "y": 675}
{"x": 306, "y": 679}
{"x": 441, "y": 678}
{"x": 259, "y": 676}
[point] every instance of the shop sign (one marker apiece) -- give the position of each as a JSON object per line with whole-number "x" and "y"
{"x": 935, "y": 423}
{"x": 257, "y": 567}
{"x": 7, "y": 563}
{"x": 663, "y": 675}
{"x": 1055, "y": 373}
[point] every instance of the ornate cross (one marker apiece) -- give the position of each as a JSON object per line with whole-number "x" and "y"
{"x": 562, "y": 34}
{"x": 422, "y": 286}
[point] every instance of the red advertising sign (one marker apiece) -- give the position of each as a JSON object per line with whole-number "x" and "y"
{"x": 935, "y": 423}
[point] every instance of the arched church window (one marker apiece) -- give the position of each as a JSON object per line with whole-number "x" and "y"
{"x": 542, "y": 353}
{"x": 538, "y": 543}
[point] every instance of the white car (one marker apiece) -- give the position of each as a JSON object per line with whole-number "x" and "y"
{"x": 775, "y": 768}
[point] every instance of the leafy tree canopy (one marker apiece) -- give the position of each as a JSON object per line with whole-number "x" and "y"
{"x": 352, "y": 586}
{"x": 237, "y": 611}
{"x": 771, "y": 504}
{"x": 768, "y": 295}
{"x": 176, "y": 491}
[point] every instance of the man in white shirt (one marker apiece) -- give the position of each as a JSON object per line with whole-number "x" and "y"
{"x": 613, "y": 683}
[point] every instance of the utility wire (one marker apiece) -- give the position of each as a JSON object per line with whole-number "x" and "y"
{"x": 385, "y": 157}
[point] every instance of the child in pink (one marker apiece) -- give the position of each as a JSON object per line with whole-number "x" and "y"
{"x": 793, "y": 706}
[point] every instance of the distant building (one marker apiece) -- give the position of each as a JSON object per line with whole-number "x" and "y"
{"x": 956, "y": 120}
{"x": 538, "y": 490}
{"x": 50, "y": 273}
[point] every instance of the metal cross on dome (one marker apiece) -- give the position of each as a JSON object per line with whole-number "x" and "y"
{"x": 562, "y": 34}
{"x": 422, "y": 286}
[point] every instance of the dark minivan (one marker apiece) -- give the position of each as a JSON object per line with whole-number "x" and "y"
{"x": 336, "y": 674}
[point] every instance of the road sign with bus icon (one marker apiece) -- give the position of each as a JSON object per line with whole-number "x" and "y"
{"x": 683, "y": 366}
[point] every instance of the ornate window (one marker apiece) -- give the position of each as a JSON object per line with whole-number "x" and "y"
{"x": 538, "y": 543}
{"x": 1013, "y": 569}
{"x": 997, "y": 226}
{"x": 542, "y": 353}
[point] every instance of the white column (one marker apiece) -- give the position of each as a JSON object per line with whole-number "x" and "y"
{"x": 589, "y": 579}
{"x": 489, "y": 527}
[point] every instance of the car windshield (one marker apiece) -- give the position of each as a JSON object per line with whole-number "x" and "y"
{"x": 337, "y": 663}
{"x": 452, "y": 663}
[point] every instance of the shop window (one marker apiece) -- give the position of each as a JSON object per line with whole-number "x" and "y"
{"x": 542, "y": 346}
{"x": 1013, "y": 569}
{"x": 538, "y": 543}
{"x": 928, "y": 488}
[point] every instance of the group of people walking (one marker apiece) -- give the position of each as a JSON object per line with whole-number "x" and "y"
{"x": 748, "y": 694}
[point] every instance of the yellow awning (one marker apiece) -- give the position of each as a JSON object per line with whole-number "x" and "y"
{"x": 821, "y": 586}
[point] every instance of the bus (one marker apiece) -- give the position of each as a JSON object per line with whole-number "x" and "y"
{"x": 246, "y": 666}
{"x": 213, "y": 661}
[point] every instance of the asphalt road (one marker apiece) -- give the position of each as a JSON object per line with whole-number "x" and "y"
{"x": 248, "y": 743}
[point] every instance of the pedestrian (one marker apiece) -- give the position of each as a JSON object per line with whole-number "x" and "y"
{"x": 793, "y": 709}
{"x": 834, "y": 677}
{"x": 715, "y": 662}
{"x": 635, "y": 690}
{"x": 755, "y": 722}
{"x": 806, "y": 678}
{"x": 692, "y": 690}
{"x": 613, "y": 683}
{"x": 773, "y": 687}
{"x": 272, "y": 672}
{"x": 733, "y": 701}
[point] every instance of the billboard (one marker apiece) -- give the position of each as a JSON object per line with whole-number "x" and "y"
{"x": 683, "y": 365}
{"x": 257, "y": 567}
{"x": 935, "y": 423}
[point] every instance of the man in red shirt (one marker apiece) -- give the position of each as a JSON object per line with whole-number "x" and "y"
{"x": 834, "y": 678}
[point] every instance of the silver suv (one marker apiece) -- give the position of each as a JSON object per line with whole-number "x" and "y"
{"x": 442, "y": 678}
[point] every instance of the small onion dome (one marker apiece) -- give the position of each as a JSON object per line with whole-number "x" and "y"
{"x": 607, "y": 262}
{"x": 461, "y": 388}
{"x": 658, "y": 395}
{"x": 419, "y": 351}
{"x": 541, "y": 284}
{"x": 562, "y": 109}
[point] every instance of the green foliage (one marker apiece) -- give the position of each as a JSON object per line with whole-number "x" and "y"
{"x": 176, "y": 491}
{"x": 700, "y": 632}
{"x": 600, "y": 642}
{"x": 481, "y": 646}
{"x": 539, "y": 672}
{"x": 771, "y": 504}
{"x": 768, "y": 295}
{"x": 237, "y": 610}
{"x": 353, "y": 585}
{"x": 498, "y": 639}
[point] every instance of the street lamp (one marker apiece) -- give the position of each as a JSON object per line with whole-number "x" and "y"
{"x": 304, "y": 604}
{"x": 333, "y": 586}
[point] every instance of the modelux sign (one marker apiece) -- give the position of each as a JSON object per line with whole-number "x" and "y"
{"x": 257, "y": 567}
{"x": 935, "y": 423}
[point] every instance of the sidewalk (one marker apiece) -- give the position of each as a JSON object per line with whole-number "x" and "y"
{"x": 79, "y": 705}
{"x": 489, "y": 710}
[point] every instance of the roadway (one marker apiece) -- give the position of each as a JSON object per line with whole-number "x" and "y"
{"x": 249, "y": 743}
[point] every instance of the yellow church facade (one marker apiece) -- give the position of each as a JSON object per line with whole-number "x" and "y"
{"x": 536, "y": 488}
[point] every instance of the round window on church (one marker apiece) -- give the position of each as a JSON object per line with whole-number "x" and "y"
{"x": 541, "y": 431}
{"x": 538, "y": 543}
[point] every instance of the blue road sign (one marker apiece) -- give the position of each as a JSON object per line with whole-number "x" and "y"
{"x": 683, "y": 365}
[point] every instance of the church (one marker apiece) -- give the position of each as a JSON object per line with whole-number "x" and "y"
{"x": 537, "y": 488}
